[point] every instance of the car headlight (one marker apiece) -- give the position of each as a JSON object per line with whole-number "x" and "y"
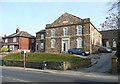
{"x": 87, "y": 52}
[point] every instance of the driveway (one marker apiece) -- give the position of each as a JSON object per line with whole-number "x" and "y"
{"x": 100, "y": 63}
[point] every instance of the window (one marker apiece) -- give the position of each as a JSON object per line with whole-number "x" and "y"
{"x": 107, "y": 44}
{"x": 41, "y": 45}
{"x": 6, "y": 40}
{"x": 114, "y": 43}
{"x": 79, "y": 30}
{"x": 79, "y": 42}
{"x": 36, "y": 46}
{"x": 53, "y": 43}
{"x": 65, "y": 31}
{"x": 11, "y": 47}
{"x": 14, "y": 39}
{"x": 52, "y": 32}
{"x": 32, "y": 40}
{"x": 42, "y": 36}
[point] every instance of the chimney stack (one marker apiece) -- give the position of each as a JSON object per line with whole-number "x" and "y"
{"x": 17, "y": 30}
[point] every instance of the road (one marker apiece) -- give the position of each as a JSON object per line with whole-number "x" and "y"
{"x": 102, "y": 65}
{"x": 21, "y": 75}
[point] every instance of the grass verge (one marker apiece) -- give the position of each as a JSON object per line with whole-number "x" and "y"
{"x": 37, "y": 57}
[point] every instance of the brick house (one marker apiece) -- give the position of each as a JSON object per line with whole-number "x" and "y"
{"x": 20, "y": 40}
{"x": 109, "y": 38}
{"x": 40, "y": 41}
{"x": 70, "y": 31}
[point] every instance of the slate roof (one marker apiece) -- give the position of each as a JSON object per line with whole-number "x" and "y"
{"x": 20, "y": 34}
{"x": 109, "y": 34}
{"x": 41, "y": 31}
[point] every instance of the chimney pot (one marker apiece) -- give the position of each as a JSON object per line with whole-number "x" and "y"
{"x": 17, "y": 30}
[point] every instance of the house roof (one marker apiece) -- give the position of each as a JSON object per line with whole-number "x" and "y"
{"x": 41, "y": 31}
{"x": 109, "y": 34}
{"x": 20, "y": 34}
{"x": 65, "y": 19}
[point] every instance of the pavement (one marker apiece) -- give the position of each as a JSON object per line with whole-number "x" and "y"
{"x": 101, "y": 63}
{"x": 68, "y": 72}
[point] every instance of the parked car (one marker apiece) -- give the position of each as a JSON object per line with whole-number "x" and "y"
{"x": 104, "y": 50}
{"x": 78, "y": 51}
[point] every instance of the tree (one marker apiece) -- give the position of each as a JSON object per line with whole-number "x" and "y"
{"x": 113, "y": 22}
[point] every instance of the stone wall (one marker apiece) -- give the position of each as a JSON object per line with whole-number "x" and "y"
{"x": 49, "y": 64}
{"x": 97, "y": 39}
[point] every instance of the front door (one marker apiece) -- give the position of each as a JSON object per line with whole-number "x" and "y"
{"x": 65, "y": 45}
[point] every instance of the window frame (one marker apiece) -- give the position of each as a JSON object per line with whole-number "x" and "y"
{"x": 79, "y": 30}
{"x": 53, "y": 33}
{"x": 53, "y": 41}
{"x": 42, "y": 45}
{"x": 79, "y": 42}
{"x": 65, "y": 31}
{"x": 14, "y": 39}
{"x": 42, "y": 36}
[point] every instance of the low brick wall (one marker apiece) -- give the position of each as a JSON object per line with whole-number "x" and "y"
{"x": 49, "y": 65}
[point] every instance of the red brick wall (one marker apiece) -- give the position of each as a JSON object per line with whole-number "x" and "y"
{"x": 23, "y": 43}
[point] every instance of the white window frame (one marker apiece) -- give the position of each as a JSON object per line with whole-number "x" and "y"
{"x": 14, "y": 39}
{"x": 11, "y": 47}
{"x": 65, "y": 31}
{"x": 114, "y": 43}
{"x": 79, "y": 30}
{"x": 6, "y": 40}
{"x": 42, "y": 36}
{"x": 53, "y": 43}
{"x": 107, "y": 43}
{"x": 41, "y": 45}
{"x": 79, "y": 42}
{"x": 53, "y": 32}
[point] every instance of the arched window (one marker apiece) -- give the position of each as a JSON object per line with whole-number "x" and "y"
{"x": 79, "y": 30}
{"x": 52, "y": 32}
{"x": 65, "y": 31}
{"x": 53, "y": 43}
{"x": 79, "y": 42}
{"x": 114, "y": 43}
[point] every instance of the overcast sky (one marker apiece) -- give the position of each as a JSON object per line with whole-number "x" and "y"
{"x": 33, "y": 16}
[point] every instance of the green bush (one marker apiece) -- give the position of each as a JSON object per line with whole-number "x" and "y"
{"x": 4, "y": 49}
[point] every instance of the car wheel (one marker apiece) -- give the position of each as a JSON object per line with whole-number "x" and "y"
{"x": 70, "y": 52}
{"x": 83, "y": 54}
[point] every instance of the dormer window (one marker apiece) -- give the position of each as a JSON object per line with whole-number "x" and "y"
{"x": 14, "y": 39}
{"x": 79, "y": 30}
{"x": 52, "y": 32}
{"x": 65, "y": 31}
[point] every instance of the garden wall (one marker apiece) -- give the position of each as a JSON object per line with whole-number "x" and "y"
{"x": 49, "y": 65}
